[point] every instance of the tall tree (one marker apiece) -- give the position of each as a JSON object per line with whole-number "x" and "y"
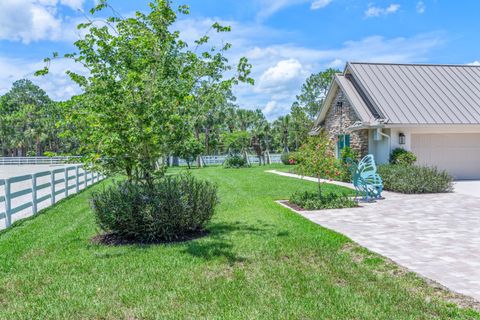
{"x": 28, "y": 121}
{"x": 300, "y": 125}
{"x": 314, "y": 91}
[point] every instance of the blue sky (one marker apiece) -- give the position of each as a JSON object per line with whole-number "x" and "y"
{"x": 285, "y": 40}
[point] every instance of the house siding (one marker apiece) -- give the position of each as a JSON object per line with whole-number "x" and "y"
{"x": 337, "y": 122}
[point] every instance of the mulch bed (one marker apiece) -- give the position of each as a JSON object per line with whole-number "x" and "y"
{"x": 292, "y": 205}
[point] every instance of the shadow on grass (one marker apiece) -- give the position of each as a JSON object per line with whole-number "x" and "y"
{"x": 219, "y": 244}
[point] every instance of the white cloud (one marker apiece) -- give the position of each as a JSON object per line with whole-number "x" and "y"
{"x": 57, "y": 84}
{"x": 421, "y": 7}
{"x": 273, "y": 109}
{"x": 474, "y": 63}
{"x": 374, "y": 11}
{"x": 318, "y": 4}
{"x": 34, "y": 20}
{"x": 74, "y": 4}
{"x": 268, "y": 8}
{"x": 281, "y": 76}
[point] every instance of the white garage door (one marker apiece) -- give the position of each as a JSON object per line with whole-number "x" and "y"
{"x": 459, "y": 153}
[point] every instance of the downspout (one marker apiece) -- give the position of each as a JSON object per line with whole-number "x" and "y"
{"x": 379, "y": 130}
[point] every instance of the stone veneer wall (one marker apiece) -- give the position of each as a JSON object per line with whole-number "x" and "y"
{"x": 337, "y": 122}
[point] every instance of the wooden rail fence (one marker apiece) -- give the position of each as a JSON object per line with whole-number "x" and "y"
{"x": 66, "y": 181}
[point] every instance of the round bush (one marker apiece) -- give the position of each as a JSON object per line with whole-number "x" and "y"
{"x": 235, "y": 162}
{"x": 402, "y": 157}
{"x": 173, "y": 208}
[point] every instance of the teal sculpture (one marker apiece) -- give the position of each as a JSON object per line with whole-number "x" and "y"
{"x": 367, "y": 182}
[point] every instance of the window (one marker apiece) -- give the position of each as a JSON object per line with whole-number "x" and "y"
{"x": 343, "y": 141}
{"x": 338, "y": 107}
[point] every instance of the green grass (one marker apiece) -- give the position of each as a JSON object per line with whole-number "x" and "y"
{"x": 260, "y": 261}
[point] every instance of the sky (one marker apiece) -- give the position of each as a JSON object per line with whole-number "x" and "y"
{"x": 285, "y": 40}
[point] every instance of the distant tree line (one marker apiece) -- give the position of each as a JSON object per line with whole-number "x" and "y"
{"x": 30, "y": 123}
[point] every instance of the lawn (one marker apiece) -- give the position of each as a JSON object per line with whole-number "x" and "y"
{"x": 260, "y": 261}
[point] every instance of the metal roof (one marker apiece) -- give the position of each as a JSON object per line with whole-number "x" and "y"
{"x": 419, "y": 93}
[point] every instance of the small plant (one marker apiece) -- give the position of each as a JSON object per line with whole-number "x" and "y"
{"x": 49, "y": 154}
{"x": 285, "y": 158}
{"x": 415, "y": 179}
{"x": 236, "y": 162}
{"x": 403, "y": 157}
{"x": 311, "y": 201}
{"x": 172, "y": 208}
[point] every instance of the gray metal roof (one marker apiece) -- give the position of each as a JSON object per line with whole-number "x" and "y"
{"x": 420, "y": 94}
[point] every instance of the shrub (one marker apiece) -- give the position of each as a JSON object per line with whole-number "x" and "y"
{"x": 292, "y": 158}
{"x": 173, "y": 208}
{"x": 235, "y": 162}
{"x": 311, "y": 201}
{"x": 402, "y": 157}
{"x": 348, "y": 154}
{"x": 415, "y": 179}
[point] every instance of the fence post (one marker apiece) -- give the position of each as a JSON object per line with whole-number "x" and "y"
{"x": 77, "y": 180}
{"x": 52, "y": 186}
{"x": 8, "y": 204}
{"x": 34, "y": 194}
{"x": 66, "y": 182}
{"x": 85, "y": 176}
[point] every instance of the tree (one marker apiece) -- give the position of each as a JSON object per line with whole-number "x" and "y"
{"x": 189, "y": 150}
{"x": 282, "y": 127}
{"x": 143, "y": 89}
{"x": 300, "y": 125}
{"x": 314, "y": 91}
{"x": 237, "y": 142}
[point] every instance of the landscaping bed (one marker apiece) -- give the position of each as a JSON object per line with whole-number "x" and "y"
{"x": 258, "y": 261}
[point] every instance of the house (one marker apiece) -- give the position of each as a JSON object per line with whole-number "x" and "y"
{"x": 431, "y": 110}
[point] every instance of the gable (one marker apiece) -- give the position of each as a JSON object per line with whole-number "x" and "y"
{"x": 355, "y": 100}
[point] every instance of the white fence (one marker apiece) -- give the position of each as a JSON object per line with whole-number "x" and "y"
{"x": 27, "y": 194}
{"x": 35, "y": 160}
{"x": 220, "y": 159}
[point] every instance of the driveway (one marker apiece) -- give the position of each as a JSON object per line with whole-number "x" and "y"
{"x": 436, "y": 235}
{"x": 468, "y": 187}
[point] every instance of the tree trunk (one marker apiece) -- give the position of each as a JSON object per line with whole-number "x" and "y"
{"x": 38, "y": 146}
{"x": 197, "y": 136}
{"x": 207, "y": 141}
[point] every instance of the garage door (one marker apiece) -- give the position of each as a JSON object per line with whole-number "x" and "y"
{"x": 459, "y": 154}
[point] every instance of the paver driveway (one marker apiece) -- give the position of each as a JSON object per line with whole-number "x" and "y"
{"x": 437, "y": 235}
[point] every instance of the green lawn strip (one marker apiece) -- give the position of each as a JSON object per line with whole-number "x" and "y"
{"x": 260, "y": 261}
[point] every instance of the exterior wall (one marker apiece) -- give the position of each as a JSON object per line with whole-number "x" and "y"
{"x": 336, "y": 123}
{"x": 380, "y": 149}
{"x": 408, "y": 131}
